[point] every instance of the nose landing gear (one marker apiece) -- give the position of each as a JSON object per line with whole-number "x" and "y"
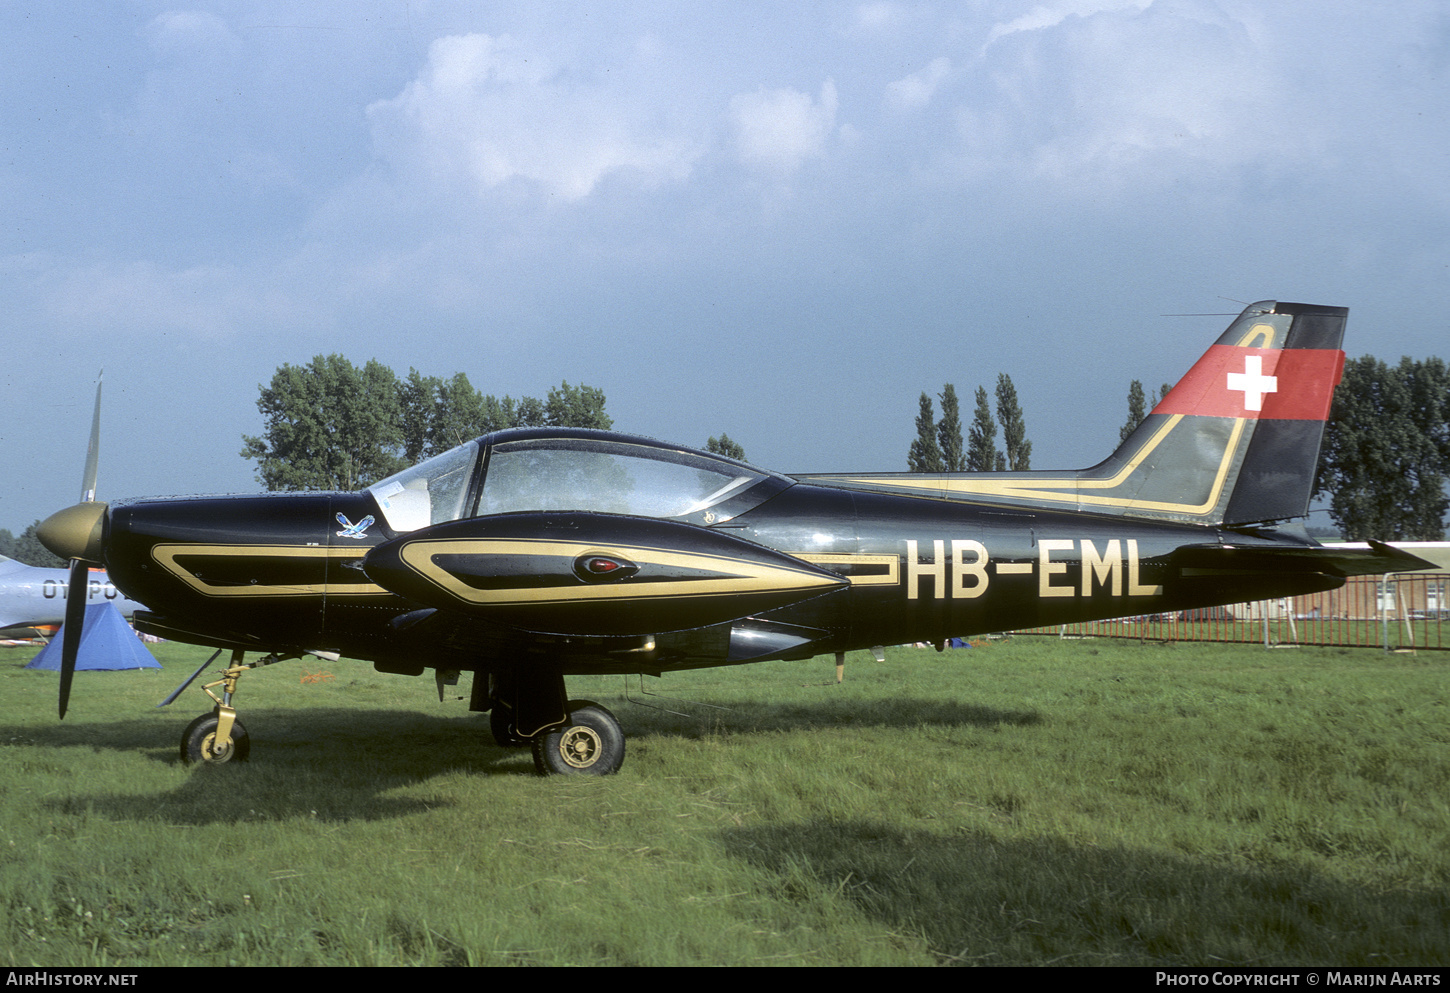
{"x": 219, "y": 736}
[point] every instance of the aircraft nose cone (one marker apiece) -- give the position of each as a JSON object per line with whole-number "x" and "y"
{"x": 76, "y": 532}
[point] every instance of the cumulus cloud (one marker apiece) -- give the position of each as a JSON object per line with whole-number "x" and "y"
{"x": 148, "y": 298}
{"x": 917, "y": 89}
{"x": 182, "y": 31}
{"x": 1053, "y": 14}
{"x": 877, "y": 16}
{"x": 485, "y": 111}
{"x": 780, "y": 129}
{"x": 1109, "y": 95}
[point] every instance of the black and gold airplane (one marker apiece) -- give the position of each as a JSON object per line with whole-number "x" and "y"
{"x": 530, "y": 555}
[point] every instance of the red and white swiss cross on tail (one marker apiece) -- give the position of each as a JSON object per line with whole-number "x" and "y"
{"x": 1294, "y": 384}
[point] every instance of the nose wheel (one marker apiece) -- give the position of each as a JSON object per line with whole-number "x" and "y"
{"x": 205, "y": 742}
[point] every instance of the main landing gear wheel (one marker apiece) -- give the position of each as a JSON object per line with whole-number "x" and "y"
{"x": 590, "y": 743}
{"x": 199, "y": 744}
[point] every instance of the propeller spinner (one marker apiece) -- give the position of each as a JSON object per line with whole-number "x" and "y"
{"x": 76, "y": 533}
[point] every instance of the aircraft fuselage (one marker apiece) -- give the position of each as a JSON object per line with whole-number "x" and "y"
{"x": 279, "y": 573}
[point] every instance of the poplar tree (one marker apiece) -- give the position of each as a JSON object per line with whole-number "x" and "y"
{"x": 925, "y": 455}
{"x": 982, "y": 454}
{"x": 1136, "y": 412}
{"x": 1014, "y": 429}
{"x": 949, "y": 431}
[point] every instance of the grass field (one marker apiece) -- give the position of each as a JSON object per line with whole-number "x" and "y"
{"x": 1030, "y": 802}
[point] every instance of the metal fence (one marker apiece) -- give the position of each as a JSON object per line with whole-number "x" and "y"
{"x": 1396, "y": 612}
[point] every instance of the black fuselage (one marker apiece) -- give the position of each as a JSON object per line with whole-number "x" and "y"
{"x": 280, "y": 573}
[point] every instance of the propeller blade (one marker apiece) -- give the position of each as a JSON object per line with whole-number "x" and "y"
{"x": 87, "y": 540}
{"x": 93, "y": 452}
{"x": 75, "y": 618}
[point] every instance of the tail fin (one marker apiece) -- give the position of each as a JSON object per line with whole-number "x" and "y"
{"x": 1235, "y": 442}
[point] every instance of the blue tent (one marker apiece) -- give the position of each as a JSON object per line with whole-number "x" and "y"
{"x": 107, "y": 642}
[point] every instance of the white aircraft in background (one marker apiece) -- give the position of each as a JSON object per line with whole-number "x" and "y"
{"x": 32, "y": 599}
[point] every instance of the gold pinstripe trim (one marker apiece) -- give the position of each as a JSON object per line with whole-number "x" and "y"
{"x": 892, "y": 576}
{"x": 1263, "y": 331}
{"x": 735, "y": 575}
{"x": 1050, "y": 489}
{"x": 166, "y": 556}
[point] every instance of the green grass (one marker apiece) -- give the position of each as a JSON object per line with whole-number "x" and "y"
{"x": 1033, "y": 801}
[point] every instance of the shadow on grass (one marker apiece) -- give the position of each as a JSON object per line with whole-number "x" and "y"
{"x": 751, "y": 716}
{"x": 345, "y": 735}
{"x": 981, "y": 900}
{"x": 329, "y": 763}
{"x": 340, "y": 763}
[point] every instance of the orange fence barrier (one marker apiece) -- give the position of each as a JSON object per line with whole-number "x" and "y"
{"x": 1397, "y": 612}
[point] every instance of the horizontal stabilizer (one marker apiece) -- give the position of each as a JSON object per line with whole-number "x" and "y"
{"x": 1371, "y": 559}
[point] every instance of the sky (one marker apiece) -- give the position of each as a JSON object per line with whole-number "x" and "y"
{"x": 779, "y": 221}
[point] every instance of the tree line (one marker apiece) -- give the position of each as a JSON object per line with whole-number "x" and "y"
{"x": 1383, "y": 464}
{"x": 939, "y": 445}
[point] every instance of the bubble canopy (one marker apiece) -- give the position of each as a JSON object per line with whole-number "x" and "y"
{"x": 536, "y": 469}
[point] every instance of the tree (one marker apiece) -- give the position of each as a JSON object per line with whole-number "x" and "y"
{"x": 577, "y": 407}
{"x": 925, "y": 455}
{"x": 725, "y": 446}
{"x": 949, "y": 431}
{"x": 1386, "y": 451}
{"x": 982, "y": 454}
{"x": 460, "y": 413}
{"x": 1014, "y": 429}
{"x": 1136, "y": 413}
{"x": 329, "y": 425}
{"x": 417, "y": 396}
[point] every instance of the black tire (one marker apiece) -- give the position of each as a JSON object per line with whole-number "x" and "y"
{"x": 500, "y": 722}
{"x": 198, "y": 742}
{"x": 589, "y": 744}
